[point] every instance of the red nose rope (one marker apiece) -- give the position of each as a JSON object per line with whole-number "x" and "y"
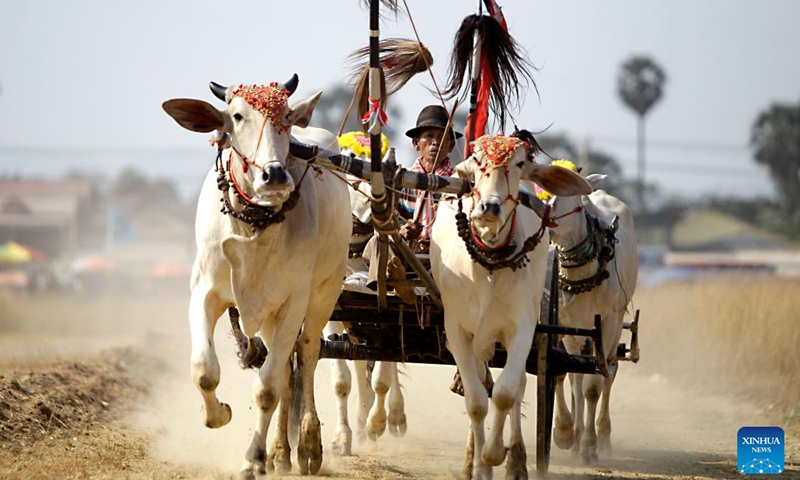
{"x": 502, "y": 256}
{"x": 551, "y": 222}
{"x": 257, "y": 216}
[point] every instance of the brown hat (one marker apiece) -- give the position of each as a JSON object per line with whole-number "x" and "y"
{"x": 432, "y": 116}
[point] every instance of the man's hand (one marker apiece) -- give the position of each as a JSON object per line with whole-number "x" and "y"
{"x": 410, "y": 231}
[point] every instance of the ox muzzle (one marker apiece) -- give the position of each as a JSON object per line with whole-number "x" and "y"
{"x": 488, "y": 217}
{"x": 273, "y": 186}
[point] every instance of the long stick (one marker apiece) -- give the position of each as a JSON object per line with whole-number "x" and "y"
{"x": 380, "y": 208}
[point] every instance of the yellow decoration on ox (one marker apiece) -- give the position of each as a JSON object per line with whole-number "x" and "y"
{"x": 543, "y": 194}
{"x": 359, "y": 143}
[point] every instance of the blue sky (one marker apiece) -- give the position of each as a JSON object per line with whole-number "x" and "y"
{"x": 82, "y": 81}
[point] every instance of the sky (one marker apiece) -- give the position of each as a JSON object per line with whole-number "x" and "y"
{"x": 82, "y": 82}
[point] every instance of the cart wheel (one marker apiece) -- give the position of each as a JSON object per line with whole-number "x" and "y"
{"x": 545, "y": 400}
{"x": 546, "y": 382}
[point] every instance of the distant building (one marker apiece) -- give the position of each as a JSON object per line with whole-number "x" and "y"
{"x": 57, "y": 217}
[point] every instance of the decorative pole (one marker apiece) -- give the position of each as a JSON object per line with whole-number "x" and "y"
{"x": 381, "y": 214}
{"x": 475, "y": 79}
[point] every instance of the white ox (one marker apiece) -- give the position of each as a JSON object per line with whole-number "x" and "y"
{"x": 284, "y": 278}
{"x": 582, "y": 247}
{"x": 482, "y": 307}
{"x": 374, "y": 387}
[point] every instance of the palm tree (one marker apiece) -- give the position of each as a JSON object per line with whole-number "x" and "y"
{"x": 640, "y": 86}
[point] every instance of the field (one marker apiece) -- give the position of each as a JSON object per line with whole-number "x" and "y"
{"x": 98, "y": 387}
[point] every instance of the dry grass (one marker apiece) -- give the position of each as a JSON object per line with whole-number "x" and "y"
{"x": 736, "y": 332}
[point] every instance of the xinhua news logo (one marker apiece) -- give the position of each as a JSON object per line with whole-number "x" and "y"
{"x": 760, "y": 450}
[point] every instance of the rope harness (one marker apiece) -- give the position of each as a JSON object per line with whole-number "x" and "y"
{"x": 255, "y": 215}
{"x": 500, "y": 257}
{"x": 598, "y": 245}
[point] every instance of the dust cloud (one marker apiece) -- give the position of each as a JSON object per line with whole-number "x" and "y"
{"x": 674, "y": 415}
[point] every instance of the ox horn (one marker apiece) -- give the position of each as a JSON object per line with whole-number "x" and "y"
{"x": 291, "y": 85}
{"x": 218, "y": 90}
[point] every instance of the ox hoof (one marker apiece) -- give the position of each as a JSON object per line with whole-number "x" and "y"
{"x": 517, "y": 474}
{"x": 251, "y": 472}
{"x": 309, "y": 449}
{"x": 361, "y": 436}
{"x": 221, "y": 418}
{"x": 377, "y": 425}
{"x": 604, "y": 448}
{"x": 309, "y": 464}
{"x": 280, "y": 460}
{"x": 493, "y": 456}
{"x": 397, "y": 425}
{"x": 588, "y": 458}
{"x": 516, "y": 464}
{"x": 564, "y": 438}
{"x": 342, "y": 444}
{"x": 246, "y": 475}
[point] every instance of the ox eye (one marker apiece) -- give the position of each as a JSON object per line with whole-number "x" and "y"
{"x": 238, "y": 117}
{"x": 520, "y": 164}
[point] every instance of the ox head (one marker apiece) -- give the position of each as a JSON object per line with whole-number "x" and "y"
{"x": 566, "y": 209}
{"x": 495, "y": 170}
{"x": 257, "y": 120}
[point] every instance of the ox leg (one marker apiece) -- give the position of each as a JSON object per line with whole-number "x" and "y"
{"x": 320, "y": 306}
{"x": 309, "y": 447}
{"x": 280, "y": 457}
{"x": 267, "y": 391}
{"x": 604, "y": 419}
{"x": 576, "y": 346}
{"x": 397, "y": 414}
{"x": 476, "y": 399}
{"x": 205, "y": 309}
{"x": 342, "y": 381}
{"x": 366, "y": 396}
{"x": 516, "y": 465}
{"x": 578, "y": 407}
{"x": 563, "y": 434}
{"x": 592, "y": 388}
{"x": 505, "y": 393}
{"x": 381, "y": 382}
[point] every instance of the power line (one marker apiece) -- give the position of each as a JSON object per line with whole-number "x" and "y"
{"x": 681, "y": 145}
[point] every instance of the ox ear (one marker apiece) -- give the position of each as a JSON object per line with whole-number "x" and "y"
{"x": 595, "y": 180}
{"x": 194, "y": 115}
{"x": 558, "y": 180}
{"x": 466, "y": 170}
{"x": 301, "y": 112}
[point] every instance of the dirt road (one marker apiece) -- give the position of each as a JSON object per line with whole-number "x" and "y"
{"x": 664, "y": 425}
